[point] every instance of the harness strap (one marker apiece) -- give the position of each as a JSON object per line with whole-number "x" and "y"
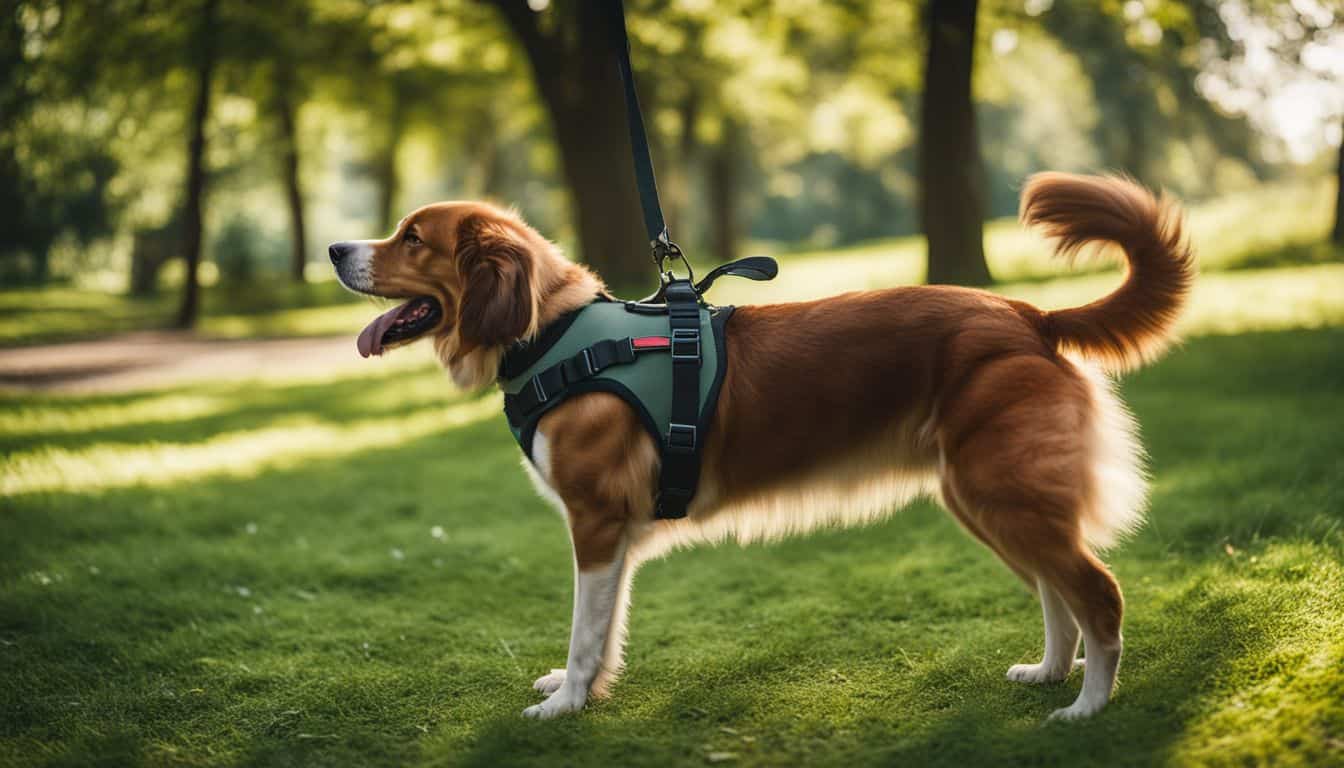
{"x": 680, "y": 473}
{"x": 639, "y": 141}
{"x": 550, "y": 384}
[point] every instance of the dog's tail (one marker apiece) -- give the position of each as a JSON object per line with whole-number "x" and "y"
{"x": 1133, "y": 324}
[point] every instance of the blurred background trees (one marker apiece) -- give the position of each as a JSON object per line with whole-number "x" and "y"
{"x": 141, "y": 138}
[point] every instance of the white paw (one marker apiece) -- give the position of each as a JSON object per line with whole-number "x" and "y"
{"x": 562, "y": 702}
{"x": 550, "y": 683}
{"x": 1040, "y": 673}
{"x": 1076, "y": 711}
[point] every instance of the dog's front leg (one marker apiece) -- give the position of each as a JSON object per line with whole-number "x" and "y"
{"x": 598, "y": 599}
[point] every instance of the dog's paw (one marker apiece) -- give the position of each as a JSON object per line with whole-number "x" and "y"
{"x": 1040, "y": 673}
{"x": 1076, "y": 711}
{"x": 550, "y": 683}
{"x": 562, "y": 702}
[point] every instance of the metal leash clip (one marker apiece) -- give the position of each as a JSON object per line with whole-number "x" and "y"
{"x": 664, "y": 250}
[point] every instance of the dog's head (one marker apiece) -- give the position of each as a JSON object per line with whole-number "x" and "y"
{"x": 475, "y": 279}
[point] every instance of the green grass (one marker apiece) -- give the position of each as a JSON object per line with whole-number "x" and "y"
{"x": 245, "y": 575}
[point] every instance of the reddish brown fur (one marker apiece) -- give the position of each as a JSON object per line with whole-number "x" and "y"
{"x": 1133, "y": 324}
{"x": 941, "y": 379}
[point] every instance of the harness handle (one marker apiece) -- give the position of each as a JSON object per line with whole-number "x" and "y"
{"x": 752, "y": 268}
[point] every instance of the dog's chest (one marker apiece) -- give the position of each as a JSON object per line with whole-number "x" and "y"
{"x": 539, "y": 471}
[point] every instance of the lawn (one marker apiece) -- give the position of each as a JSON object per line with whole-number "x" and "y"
{"x": 356, "y": 571}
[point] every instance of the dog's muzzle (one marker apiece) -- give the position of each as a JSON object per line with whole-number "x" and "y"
{"x": 353, "y": 260}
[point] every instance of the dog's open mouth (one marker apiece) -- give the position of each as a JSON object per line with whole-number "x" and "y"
{"x": 402, "y": 323}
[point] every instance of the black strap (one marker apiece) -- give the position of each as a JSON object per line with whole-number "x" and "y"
{"x": 639, "y": 141}
{"x": 549, "y": 385}
{"x": 680, "y": 472}
{"x": 752, "y": 268}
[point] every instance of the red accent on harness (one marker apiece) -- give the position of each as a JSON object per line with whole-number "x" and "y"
{"x": 651, "y": 342}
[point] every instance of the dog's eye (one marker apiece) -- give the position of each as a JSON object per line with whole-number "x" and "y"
{"x": 410, "y": 239}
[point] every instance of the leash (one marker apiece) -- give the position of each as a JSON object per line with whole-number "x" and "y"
{"x": 682, "y": 444}
{"x": 646, "y": 183}
{"x": 660, "y": 241}
{"x": 680, "y": 471}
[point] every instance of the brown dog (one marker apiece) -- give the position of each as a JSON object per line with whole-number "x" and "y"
{"x": 836, "y": 410}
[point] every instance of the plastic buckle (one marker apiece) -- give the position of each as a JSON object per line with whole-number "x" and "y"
{"x": 539, "y": 389}
{"x": 681, "y": 437}
{"x": 682, "y": 338}
{"x": 588, "y": 362}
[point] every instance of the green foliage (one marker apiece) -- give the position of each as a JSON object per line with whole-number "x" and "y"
{"x": 237, "y": 252}
{"x": 390, "y": 105}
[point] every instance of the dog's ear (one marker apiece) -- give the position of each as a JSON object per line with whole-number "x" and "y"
{"x": 494, "y": 263}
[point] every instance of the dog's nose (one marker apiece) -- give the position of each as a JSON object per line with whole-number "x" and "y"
{"x": 338, "y": 251}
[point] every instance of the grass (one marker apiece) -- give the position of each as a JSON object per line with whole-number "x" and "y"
{"x": 355, "y": 571}
{"x": 228, "y": 574}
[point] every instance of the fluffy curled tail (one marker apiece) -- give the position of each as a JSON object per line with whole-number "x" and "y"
{"x": 1132, "y": 325}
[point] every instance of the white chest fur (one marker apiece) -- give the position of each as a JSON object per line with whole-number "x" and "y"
{"x": 539, "y": 470}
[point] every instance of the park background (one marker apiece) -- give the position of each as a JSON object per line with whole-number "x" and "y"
{"x": 228, "y": 540}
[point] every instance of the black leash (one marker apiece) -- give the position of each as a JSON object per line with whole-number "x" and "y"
{"x": 680, "y": 472}
{"x": 660, "y": 242}
{"x": 639, "y": 141}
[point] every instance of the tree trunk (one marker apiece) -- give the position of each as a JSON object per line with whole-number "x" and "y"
{"x": 191, "y": 236}
{"x": 1337, "y": 235}
{"x": 952, "y": 198}
{"x": 677, "y": 191}
{"x": 388, "y": 179}
{"x": 482, "y": 176}
{"x": 579, "y": 84}
{"x": 144, "y": 271}
{"x": 724, "y": 170}
{"x": 289, "y": 163}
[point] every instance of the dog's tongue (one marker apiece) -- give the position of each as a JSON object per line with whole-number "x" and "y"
{"x": 371, "y": 338}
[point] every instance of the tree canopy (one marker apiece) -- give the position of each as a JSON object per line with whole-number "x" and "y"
{"x": 770, "y": 120}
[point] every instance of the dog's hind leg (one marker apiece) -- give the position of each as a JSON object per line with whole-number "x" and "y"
{"x": 1017, "y": 452}
{"x": 1061, "y": 642}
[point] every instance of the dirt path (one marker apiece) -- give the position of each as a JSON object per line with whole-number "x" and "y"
{"x": 158, "y": 359}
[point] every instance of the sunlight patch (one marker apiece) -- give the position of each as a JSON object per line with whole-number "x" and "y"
{"x": 236, "y": 454}
{"x": 58, "y": 417}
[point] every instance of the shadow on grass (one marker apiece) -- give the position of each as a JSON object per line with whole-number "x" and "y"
{"x": 956, "y": 711}
{"x": 1289, "y": 254}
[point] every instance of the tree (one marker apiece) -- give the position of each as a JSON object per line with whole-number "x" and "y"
{"x": 195, "y": 191}
{"x": 289, "y": 163}
{"x": 1337, "y": 233}
{"x": 724, "y": 171}
{"x": 951, "y": 177}
{"x": 1292, "y": 47}
{"x": 572, "y": 58}
{"x": 55, "y": 172}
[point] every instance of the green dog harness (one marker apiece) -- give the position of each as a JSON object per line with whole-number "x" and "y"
{"x": 666, "y": 361}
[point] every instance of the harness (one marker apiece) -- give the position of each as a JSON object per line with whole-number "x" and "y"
{"x": 666, "y": 362}
{"x": 663, "y": 355}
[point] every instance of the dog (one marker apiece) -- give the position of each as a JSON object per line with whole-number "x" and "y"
{"x": 832, "y": 411}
